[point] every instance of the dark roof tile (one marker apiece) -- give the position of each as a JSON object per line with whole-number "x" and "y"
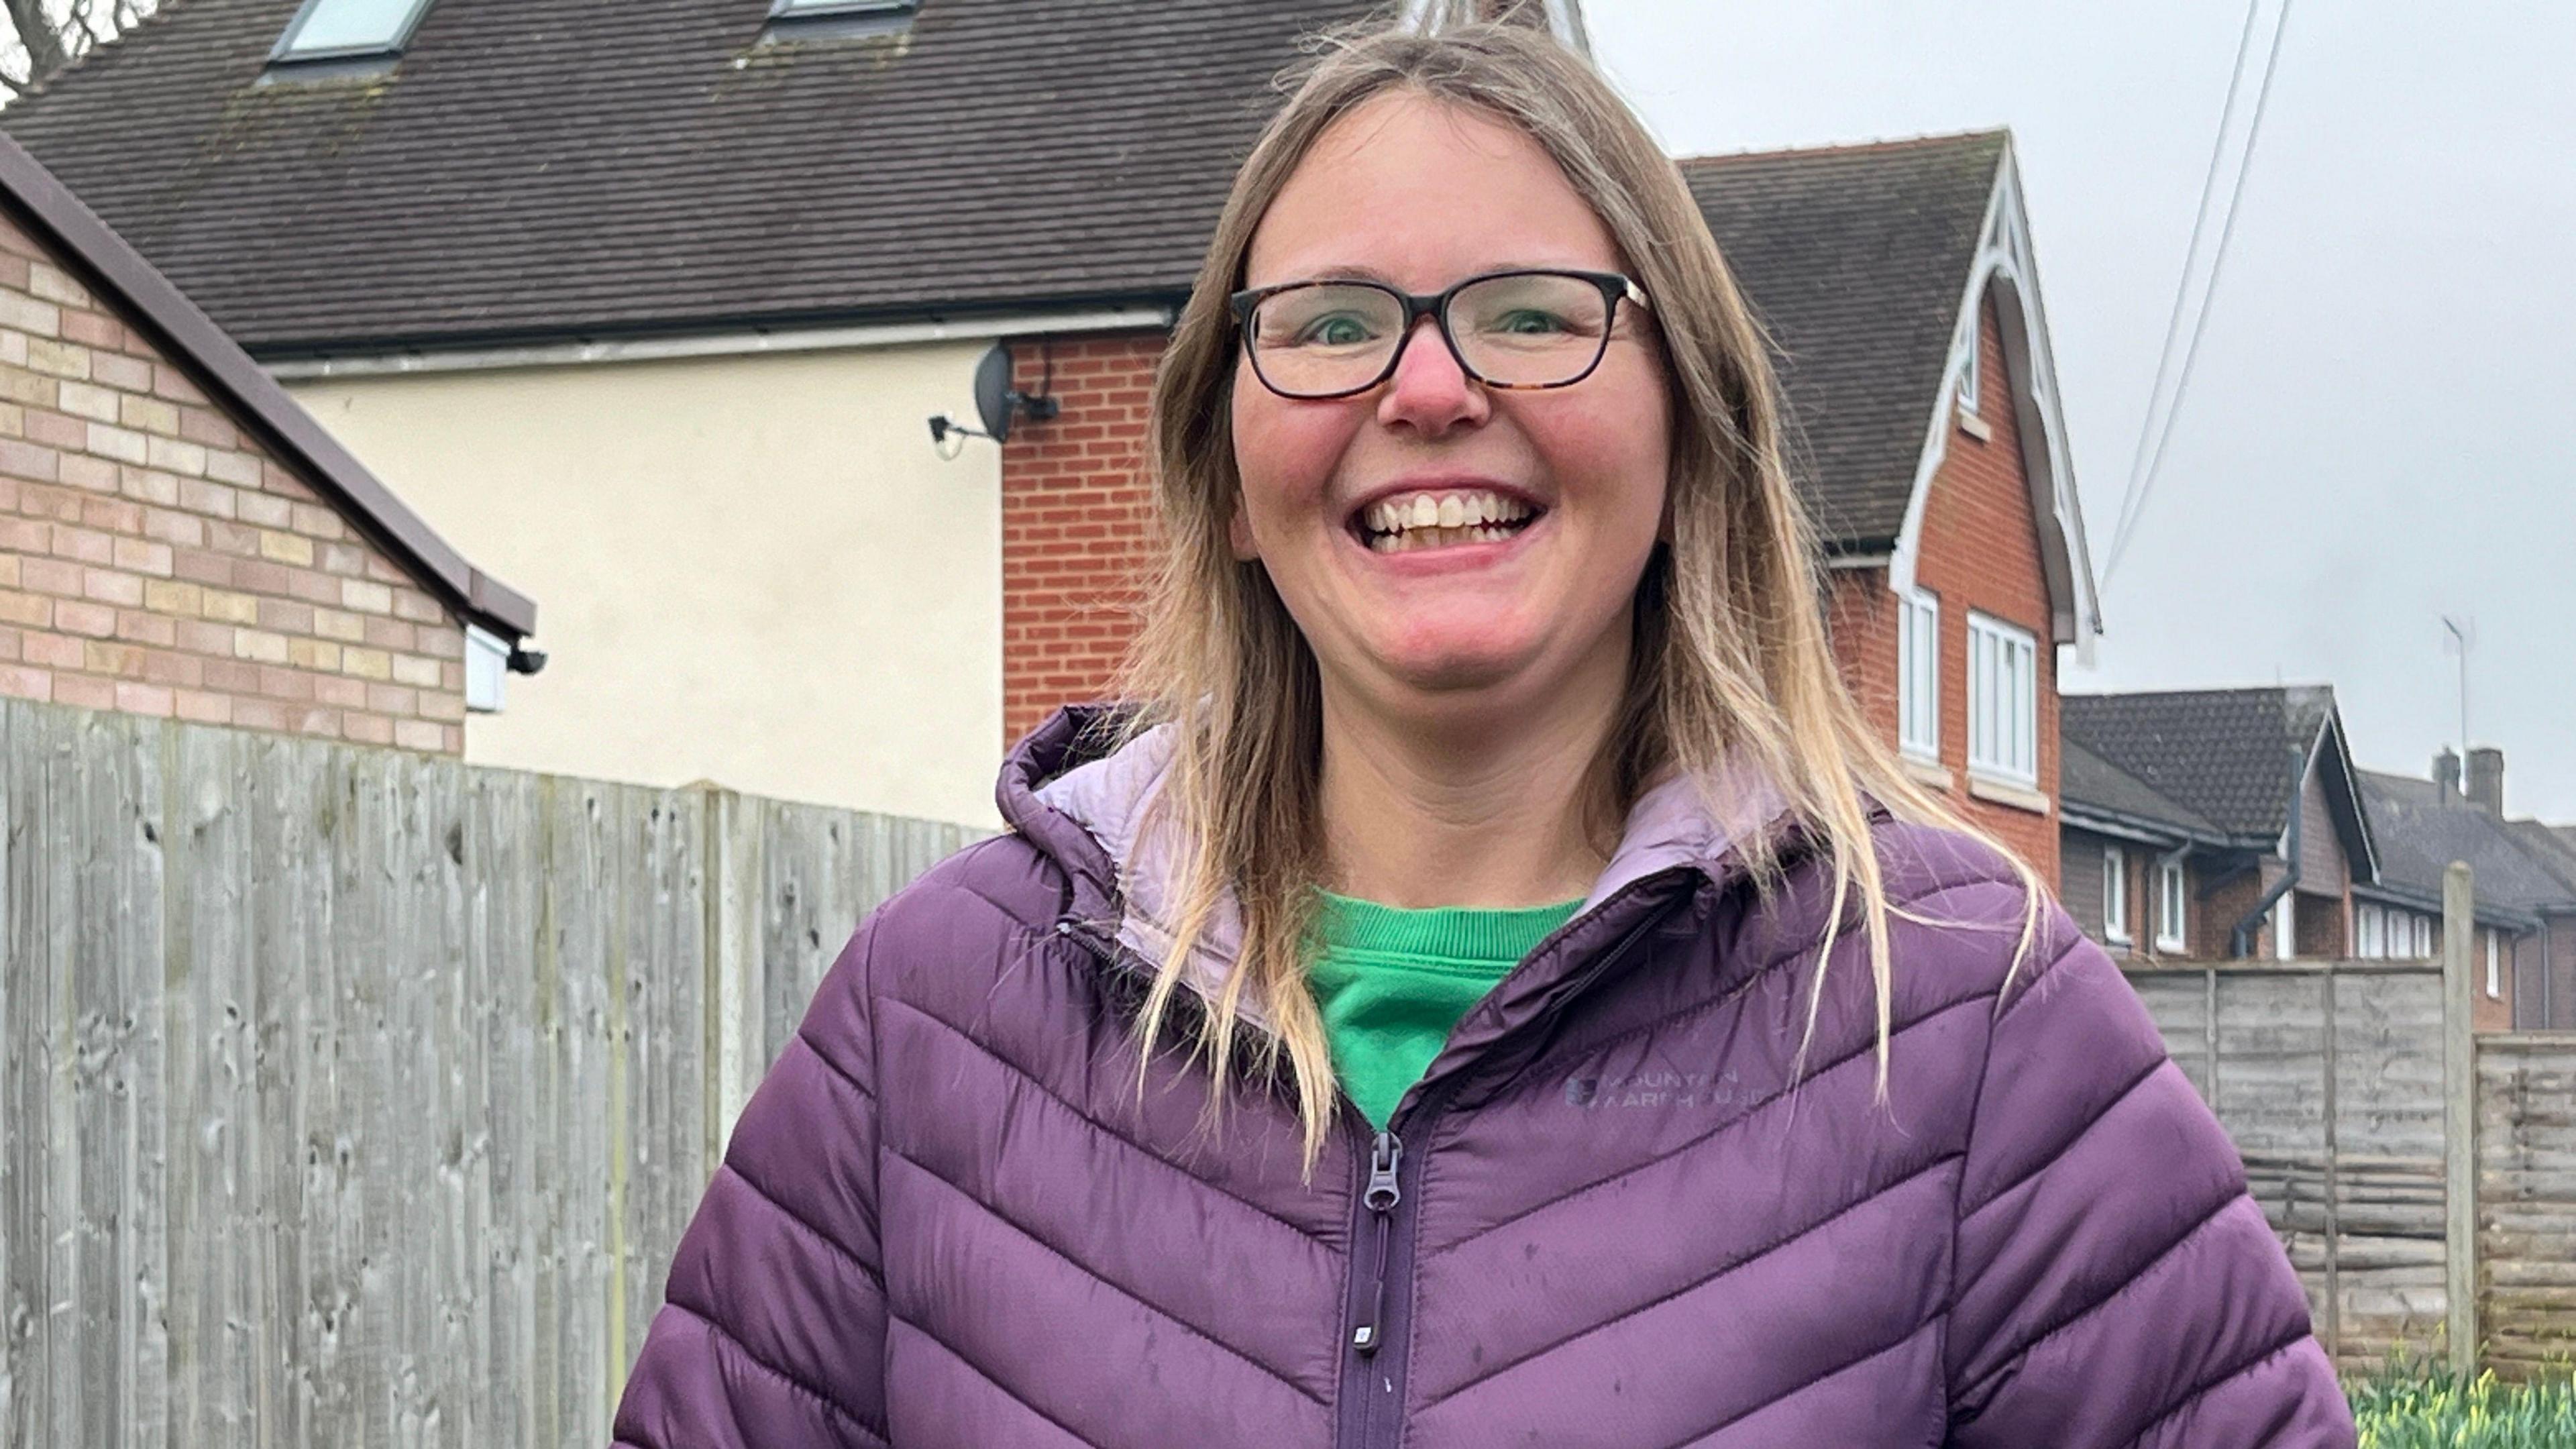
{"x": 2221, "y": 753}
{"x": 1857, "y": 261}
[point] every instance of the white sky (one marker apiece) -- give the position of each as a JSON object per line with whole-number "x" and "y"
{"x": 2382, "y": 424}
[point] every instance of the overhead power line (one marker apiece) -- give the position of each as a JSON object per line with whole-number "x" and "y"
{"x": 2148, "y": 461}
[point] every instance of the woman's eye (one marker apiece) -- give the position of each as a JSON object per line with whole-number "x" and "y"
{"x": 1528, "y": 322}
{"x": 1341, "y": 330}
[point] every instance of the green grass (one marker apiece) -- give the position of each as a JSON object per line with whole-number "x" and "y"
{"x": 2423, "y": 1409}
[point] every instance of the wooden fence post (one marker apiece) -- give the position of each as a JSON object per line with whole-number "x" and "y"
{"x": 2459, "y": 1118}
{"x": 737, "y": 981}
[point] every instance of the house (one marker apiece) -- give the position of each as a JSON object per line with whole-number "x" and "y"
{"x": 179, "y": 538}
{"x": 1898, "y": 285}
{"x": 2208, "y": 824}
{"x": 2523, "y": 874}
{"x": 656, "y": 313}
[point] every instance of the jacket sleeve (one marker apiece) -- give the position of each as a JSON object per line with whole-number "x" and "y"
{"x": 2116, "y": 1284}
{"x": 773, "y": 1329}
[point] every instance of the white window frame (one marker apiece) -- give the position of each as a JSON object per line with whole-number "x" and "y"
{"x": 2173, "y": 906}
{"x": 2495, "y": 966}
{"x": 2003, "y": 659}
{"x": 784, "y": 9}
{"x": 2423, "y": 938}
{"x": 1972, "y": 371}
{"x": 2115, "y": 895}
{"x": 290, "y": 46}
{"x": 1918, "y": 674}
{"x": 2285, "y": 927}
{"x": 2370, "y": 932}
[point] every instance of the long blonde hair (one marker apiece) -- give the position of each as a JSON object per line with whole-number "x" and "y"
{"x": 1729, "y": 651}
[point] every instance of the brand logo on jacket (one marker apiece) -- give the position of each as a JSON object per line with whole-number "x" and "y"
{"x": 1655, "y": 1087}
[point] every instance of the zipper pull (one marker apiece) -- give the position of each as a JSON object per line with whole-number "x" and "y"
{"x": 1380, "y": 1198}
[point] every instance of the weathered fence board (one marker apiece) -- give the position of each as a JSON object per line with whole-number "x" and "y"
{"x": 2527, "y": 1199}
{"x": 352, "y": 1096}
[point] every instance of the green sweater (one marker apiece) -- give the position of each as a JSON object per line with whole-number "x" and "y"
{"x": 1392, "y": 982}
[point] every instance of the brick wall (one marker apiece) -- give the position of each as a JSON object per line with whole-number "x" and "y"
{"x": 1980, "y": 550}
{"x": 156, "y": 559}
{"x": 1077, "y": 524}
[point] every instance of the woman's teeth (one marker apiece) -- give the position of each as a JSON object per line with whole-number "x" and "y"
{"x": 1435, "y": 520}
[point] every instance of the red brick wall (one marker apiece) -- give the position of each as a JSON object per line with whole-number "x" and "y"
{"x": 1979, "y": 551}
{"x": 1077, "y": 524}
{"x": 156, "y": 559}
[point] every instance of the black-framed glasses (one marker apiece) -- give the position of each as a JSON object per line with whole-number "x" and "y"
{"x": 1520, "y": 329}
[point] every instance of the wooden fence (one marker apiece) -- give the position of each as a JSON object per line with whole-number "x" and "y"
{"x": 2377, "y": 1128}
{"x": 349, "y": 1096}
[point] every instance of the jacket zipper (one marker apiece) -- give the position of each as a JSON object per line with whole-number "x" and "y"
{"x": 1384, "y": 1216}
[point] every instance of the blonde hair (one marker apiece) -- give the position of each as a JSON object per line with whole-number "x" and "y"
{"x": 1729, "y": 650}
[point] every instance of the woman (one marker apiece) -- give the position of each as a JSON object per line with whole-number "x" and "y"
{"x": 1491, "y": 987}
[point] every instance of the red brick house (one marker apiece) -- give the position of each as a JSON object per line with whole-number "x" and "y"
{"x": 2208, "y": 824}
{"x": 178, "y": 538}
{"x": 2522, "y": 876}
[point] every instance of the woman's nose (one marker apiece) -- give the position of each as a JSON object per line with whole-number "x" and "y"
{"x": 1430, "y": 393}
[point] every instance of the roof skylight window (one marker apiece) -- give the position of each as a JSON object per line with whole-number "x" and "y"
{"x": 349, "y": 30}
{"x": 782, "y": 9}
{"x": 836, "y": 19}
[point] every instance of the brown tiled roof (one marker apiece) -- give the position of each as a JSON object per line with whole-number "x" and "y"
{"x": 538, "y": 168}
{"x": 2419, "y": 836}
{"x": 1857, "y": 259}
{"x": 2220, "y": 753}
{"x": 32, "y": 198}
{"x": 2086, "y": 781}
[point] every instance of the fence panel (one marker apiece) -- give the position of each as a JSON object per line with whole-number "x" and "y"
{"x": 2527, "y": 1199}
{"x": 359, "y": 1097}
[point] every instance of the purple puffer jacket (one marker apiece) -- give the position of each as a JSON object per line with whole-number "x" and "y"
{"x": 1602, "y": 1218}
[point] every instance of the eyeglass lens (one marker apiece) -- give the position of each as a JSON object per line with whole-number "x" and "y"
{"x": 1523, "y": 330}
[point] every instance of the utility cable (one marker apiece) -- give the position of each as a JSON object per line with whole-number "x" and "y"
{"x": 2150, "y": 462}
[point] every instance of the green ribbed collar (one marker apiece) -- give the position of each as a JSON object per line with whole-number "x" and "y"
{"x": 1450, "y": 934}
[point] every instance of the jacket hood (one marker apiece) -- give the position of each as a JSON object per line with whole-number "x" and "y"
{"x": 1085, "y": 804}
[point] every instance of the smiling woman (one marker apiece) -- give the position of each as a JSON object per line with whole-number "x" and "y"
{"x": 1588, "y": 1035}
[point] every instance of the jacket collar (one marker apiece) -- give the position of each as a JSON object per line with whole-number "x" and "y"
{"x": 1087, "y": 810}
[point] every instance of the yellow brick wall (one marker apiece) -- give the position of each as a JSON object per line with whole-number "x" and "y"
{"x": 157, "y": 559}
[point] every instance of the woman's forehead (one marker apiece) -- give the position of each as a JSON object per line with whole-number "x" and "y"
{"x": 1417, "y": 191}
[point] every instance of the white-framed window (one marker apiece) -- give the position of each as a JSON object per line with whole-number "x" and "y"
{"x": 1971, "y": 382}
{"x": 2003, "y": 701}
{"x": 348, "y": 29}
{"x": 2170, "y": 906}
{"x": 2285, "y": 927}
{"x": 2370, "y": 932}
{"x": 2495, "y": 966}
{"x": 1918, "y": 674}
{"x": 781, "y": 9}
{"x": 2115, "y": 895}
{"x": 2423, "y": 937}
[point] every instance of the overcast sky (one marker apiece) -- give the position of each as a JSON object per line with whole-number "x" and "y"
{"x": 2381, "y": 428}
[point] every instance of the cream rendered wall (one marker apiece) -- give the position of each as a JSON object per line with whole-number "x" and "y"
{"x": 749, "y": 569}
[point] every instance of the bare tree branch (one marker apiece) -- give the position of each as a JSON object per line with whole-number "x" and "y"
{"x": 41, "y": 38}
{"x": 38, "y": 37}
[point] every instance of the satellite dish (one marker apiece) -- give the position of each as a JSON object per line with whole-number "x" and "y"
{"x": 997, "y": 404}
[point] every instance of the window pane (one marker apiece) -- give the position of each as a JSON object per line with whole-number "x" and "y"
{"x": 351, "y": 27}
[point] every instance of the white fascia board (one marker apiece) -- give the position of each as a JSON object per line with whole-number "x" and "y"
{"x": 2004, "y": 254}
{"x": 750, "y": 343}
